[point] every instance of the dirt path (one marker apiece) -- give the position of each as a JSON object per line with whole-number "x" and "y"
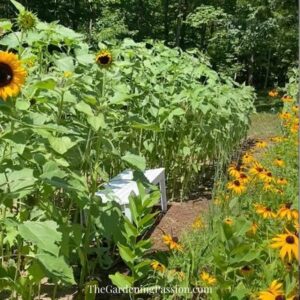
{"x": 178, "y": 218}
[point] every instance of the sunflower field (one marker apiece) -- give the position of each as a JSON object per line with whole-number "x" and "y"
{"x": 75, "y": 112}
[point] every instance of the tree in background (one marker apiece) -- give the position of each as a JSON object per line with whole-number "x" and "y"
{"x": 252, "y": 41}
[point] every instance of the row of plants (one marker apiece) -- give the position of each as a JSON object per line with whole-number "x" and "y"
{"x": 248, "y": 245}
{"x": 72, "y": 117}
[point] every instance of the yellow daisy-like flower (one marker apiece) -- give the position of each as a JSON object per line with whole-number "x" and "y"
{"x": 261, "y": 144}
{"x": 236, "y": 186}
{"x": 12, "y": 75}
{"x": 268, "y": 187}
{"x": 273, "y": 291}
{"x": 277, "y": 139}
{"x": 256, "y": 169}
{"x": 273, "y": 93}
{"x": 288, "y": 244}
{"x": 198, "y": 223}
{"x": 287, "y": 99}
{"x": 172, "y": 242}
{"x": 157, "y": 266}
{"x": 279, "y": 162}
{"x": 247, "y": 158}
{"x": 207, "y": 278}
{"x": 294, "y": 128}
{"x": 295, "y": 108}
{"x": 264, "y": 211}
{"x": 266, "y": 176}
{"x": 104, "y": 58}
{"x": 235, "y": 170}
{"x": 228, "y": 221}
{"x": 285, "y": 211}
{"x": 253, "y": 229}
{"x": 285, "y": 116}
{"x": 282, "y": 181}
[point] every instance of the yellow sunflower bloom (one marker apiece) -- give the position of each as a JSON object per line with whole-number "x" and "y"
{"x": 266, "y": 176}
{"x": 104, "y": 58}
{"x": 157, "y": 266}
{"x": 236, "y": 186}
{"x": 288, "y": 244}
{"x": 172, "y": 242}
{"x": 285, "y": 211}
{"x": 207, "y": 278}
{"x": 279, "y": 162}
{"x": 282, "y": 181}
{"x": 256, "y": 169}
{"x": 247, "y": 158}
{"x": 273, "y": 291}
{"x": 235, "y": 170}
{"x": 277, "y": 139}
{"x": 228, "y": 221}
{"x": 264, "y": 211}
{"x": 198, "y": 223}
{"x": 261, "y": 144}
{"x": 285, "y": 116}
{"x": 287, "y": 99}
{"x": 12, "y": 75}
{"x": 273, "y": 93}
{"x": 253, "y": 229}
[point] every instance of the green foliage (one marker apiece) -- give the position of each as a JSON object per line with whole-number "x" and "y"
{"x": 76, "y": 124}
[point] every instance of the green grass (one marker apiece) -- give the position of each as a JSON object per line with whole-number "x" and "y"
{"x": 264, "y": 125}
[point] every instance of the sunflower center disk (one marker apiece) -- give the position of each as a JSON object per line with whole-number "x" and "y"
{"x": 290, "y": 239}
{"x": 104, "y": 60}
{"x": 280, "y": 297}
{"x": 6, "y": 74}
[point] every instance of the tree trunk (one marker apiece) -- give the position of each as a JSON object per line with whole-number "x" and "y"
{"x": 251, "y": 69}
{"x": 166, "y": 21}
{"x": 179, "y": 24}
{"x": 268, "y": 69}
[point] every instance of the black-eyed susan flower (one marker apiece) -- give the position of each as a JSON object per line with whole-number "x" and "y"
{"x": 207, "y": 278}
{"x": 282, "y": 181}
{"x": 266, "y": 176}
{"x": 237, "y": 186}
{"x": 277, "y": 139}
{"x": 256, "y": 169}
{"x": 248, "y": 158}
{"x": 269, "y": 187}
{"x": 285, "y": 116}
{"x": 235, "y": 170}
{"x": 288, "y": 244}
{"x": 273, "y": 291}
{"x": 264, "y": 211}
{"x": 287, "y": 99}
{"x": 157, "y": 266}
{"x": 104, "y": 58}
{"x": 295, "y": 108}
{"x": 198, "y": 223}
{"x": 27, "y": 20}
{"x": 279, "y": 162}
{"x": 172, "y": 242}
{"x": 246, "y": 270}
{"x": 253, "y": 229}
{"x": 12, "y": 75}
{"x": 287, "y": 212}
{"x": 243, "y": 178}
{"x": 228, "y": 221}
{"x": 261, "y": 144}
{"x": 273, "y": 93}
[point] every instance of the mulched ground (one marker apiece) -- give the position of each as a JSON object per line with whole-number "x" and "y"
{"x": 176, "y": 221}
